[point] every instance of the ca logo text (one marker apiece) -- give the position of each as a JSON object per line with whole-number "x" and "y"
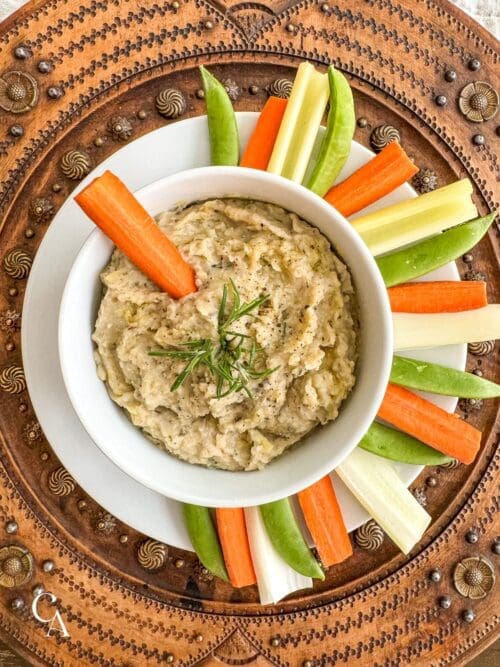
{"x": 55, "y": 622}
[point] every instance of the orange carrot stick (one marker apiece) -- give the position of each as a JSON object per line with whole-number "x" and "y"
{"x": 112, "y": 207}
{"x": 446, "y": 296}
{"x": 234, "y": 541}
{"x": 261, "y": 143}
{"x": 375, "y": 179}
{"x": 324, "y": 519}
{"x": 425, "y": 421}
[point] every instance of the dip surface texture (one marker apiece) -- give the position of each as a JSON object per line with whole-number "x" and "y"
{"x": 307, "y": 329}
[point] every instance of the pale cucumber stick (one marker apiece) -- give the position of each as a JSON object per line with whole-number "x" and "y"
{"x": 437, "y": 379}
{"x": 275, "y": 578}
{"x": 431, "y": 330}
{"x": 374, "y": 482}
{"x": 336, "y": 144}
{"x": 290, "y": 118}
{"x": 306, "y": 129}
{"x": 398, "y": 446}
{"x": 383, "y": 233}
{"x": 425, "y": 256}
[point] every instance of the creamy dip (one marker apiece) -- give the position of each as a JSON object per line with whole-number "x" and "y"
{"x": 307, "y": 330}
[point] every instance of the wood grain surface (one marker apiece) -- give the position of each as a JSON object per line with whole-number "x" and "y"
{"x": 94, "y": 74}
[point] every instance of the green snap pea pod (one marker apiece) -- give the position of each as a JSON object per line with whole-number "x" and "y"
{"x": 398, "y": 446}
{"x": 222, "y": 127}
{"x": 421, "y": 258}
{"x": 287, "y": 539}
{"x": 440, "y": 379}
{"x": 336, "y": 144}
{"x": 203, "y": 536}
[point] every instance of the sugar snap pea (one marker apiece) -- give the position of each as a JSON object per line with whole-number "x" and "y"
{"x": 440, "y": 379}
{"x": 287, "y": 539}
{"x": 398, "y": 446}
{"x": 421, "y": 258}
{"x": 203, "y": 536}
{"x": 222, "y": 126}
{"x": 336, "y": 144}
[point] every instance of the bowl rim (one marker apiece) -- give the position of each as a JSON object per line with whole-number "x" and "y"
{"x": 385, "y": 349}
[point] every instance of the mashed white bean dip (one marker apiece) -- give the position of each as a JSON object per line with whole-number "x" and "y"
{"x": 307, "y": 329}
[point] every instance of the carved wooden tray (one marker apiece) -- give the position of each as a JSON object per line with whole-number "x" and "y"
{"x": 79, "y": 78}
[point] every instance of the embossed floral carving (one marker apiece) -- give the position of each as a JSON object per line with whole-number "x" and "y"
{"x": 170, "y": 103}
{"x": 478, "y": 101}
{"x": 17, "y": 264}
{"x": 280, "y": 88}
{"x": 18, "y": 91}
{"x": 12, "y": 380}
{"x": 10, "y": 321}
{"x": 76, "y": 164}
{"x": 474, "y": 577}
{"x": 41, "y": 209}
{"x": 152, "y": 554}
{"x": 120, "y": 128}
{"x": 369, "y": 536}
{"x": 16, "y": 566}
{"x": 60, "y": 482}
{"x": 382, "y": 136}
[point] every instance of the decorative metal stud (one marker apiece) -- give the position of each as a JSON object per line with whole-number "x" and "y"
{"x": 81, "y": 504}
{"x": 17, "y": 264}
{"x": 280, "y": 88}
{"x": 482, "y": 348}
{"x": 179, "y": 562}
{"x": 208, "y": 25}
{"x": 170, "y": 103}
{"x": 60, "y": 482}
{"x": 275, "y": 641}
{"x": 141, "y": 115}
{"x": 471, "y": 536}
{"x": 16, "y": 566}
{"x": 54, "y": 92}
{"x": 16, "y": 131}
{"x": 18, "y": 91}
{"x": 474, "y": 64}
{"x": 369, "y": 536}
{"x": 17, "y": 604}
{"x": 450, "y": 75}
{"x": 10, "y": 347}
{"x": 13, "y": 291}
{"x": 44, "y": 66}
{"x": 382, "y": 136}
{"x": 10, "y": 321}
{"x": 478, "y": 372}
{"x": 22, "y": 52}
{"x": 425, "y": 180}
{"x": 468, "y": 615}
{"x": 478, "y": 101}
{"x": 200, "y": 94}
{"x": 120, "y": 128}
{"x": 12, "y": 380}
{"x": 56, "y": 187}
{"x": 325, "y": 8}
{"x": 41, "y": 209}
{"x": 441, "y": 100}
{"x": 431, "y": 481}
{"x": 22, "y": 407}
{"x": 495, "y": 547}
{"x": 292, "y": 28}
{"x": 232, "y": 88}
{"x": 38, "y": 590}
{"x": 98, "y": 141}
{"x": 307, "y": 663}
{"x": 435, "y": 576}
{"x": 445, "y": 602}
{"x": 198, "y": 638}
{"x": 474, "y": 577}
{"x": 123, "y": 539}
{"x": 468, "y": 257}
{"x": 76, "y": 164}
{"x": 48, "y": 565}
{"x": 44, "y": 456}
{"x": 11, "y": 527}
{"x": 478, "y": 140}
{"x": 362, "y": 122}
{"x": 152, "y": 554}
{"x": 169, "y": 658}
{"x": 253, "y": 90}
{"x": 176, "y": 5}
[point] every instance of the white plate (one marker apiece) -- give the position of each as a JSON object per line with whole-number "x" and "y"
{"x": 170, "y": 149}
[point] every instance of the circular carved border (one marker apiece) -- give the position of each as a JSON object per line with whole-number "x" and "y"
{"x": 379, "y": 601}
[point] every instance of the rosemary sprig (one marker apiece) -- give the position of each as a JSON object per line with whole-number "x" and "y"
{"x": 232, "y": 358}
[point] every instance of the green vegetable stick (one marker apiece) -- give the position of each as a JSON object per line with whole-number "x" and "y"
{"x": 398, "y": 446}
{"x": 336, "y": 144}
{"x": 438, "y": 379}
{"x": 204, "y": 538}
{"x": 222, "y": 126}
{"x": 421, "y": 258}
{"x": 287, "y": 539}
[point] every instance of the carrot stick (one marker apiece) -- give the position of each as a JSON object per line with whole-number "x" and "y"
{"x": 235, "y": 547}
{"x": 260, "y": 146}
{"x": 375, "y": 179}
{"x": 112, "y": 207}
{"x": 425, "y": 421}
{"x": 325, "y": 522}
{"x": 446, "y": 296}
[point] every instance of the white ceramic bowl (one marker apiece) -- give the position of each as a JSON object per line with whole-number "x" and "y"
{"x": 306, "y": 462}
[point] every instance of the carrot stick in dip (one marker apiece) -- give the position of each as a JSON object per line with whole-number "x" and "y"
{"x": 114, "y": 209}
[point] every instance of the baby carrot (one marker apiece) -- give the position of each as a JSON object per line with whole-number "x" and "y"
{"x": 325, "y": 522}
{"x": 234, "y": 541}
{"x": 112, "y": 207}
{"x": 378, "y": 177}
{"x": 447, "y": 296}
{"x": 430, "y": 424}
{"x": 260, "y": 146}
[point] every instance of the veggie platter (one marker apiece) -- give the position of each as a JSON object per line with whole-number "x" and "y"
{"x": 267, "y": 544}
